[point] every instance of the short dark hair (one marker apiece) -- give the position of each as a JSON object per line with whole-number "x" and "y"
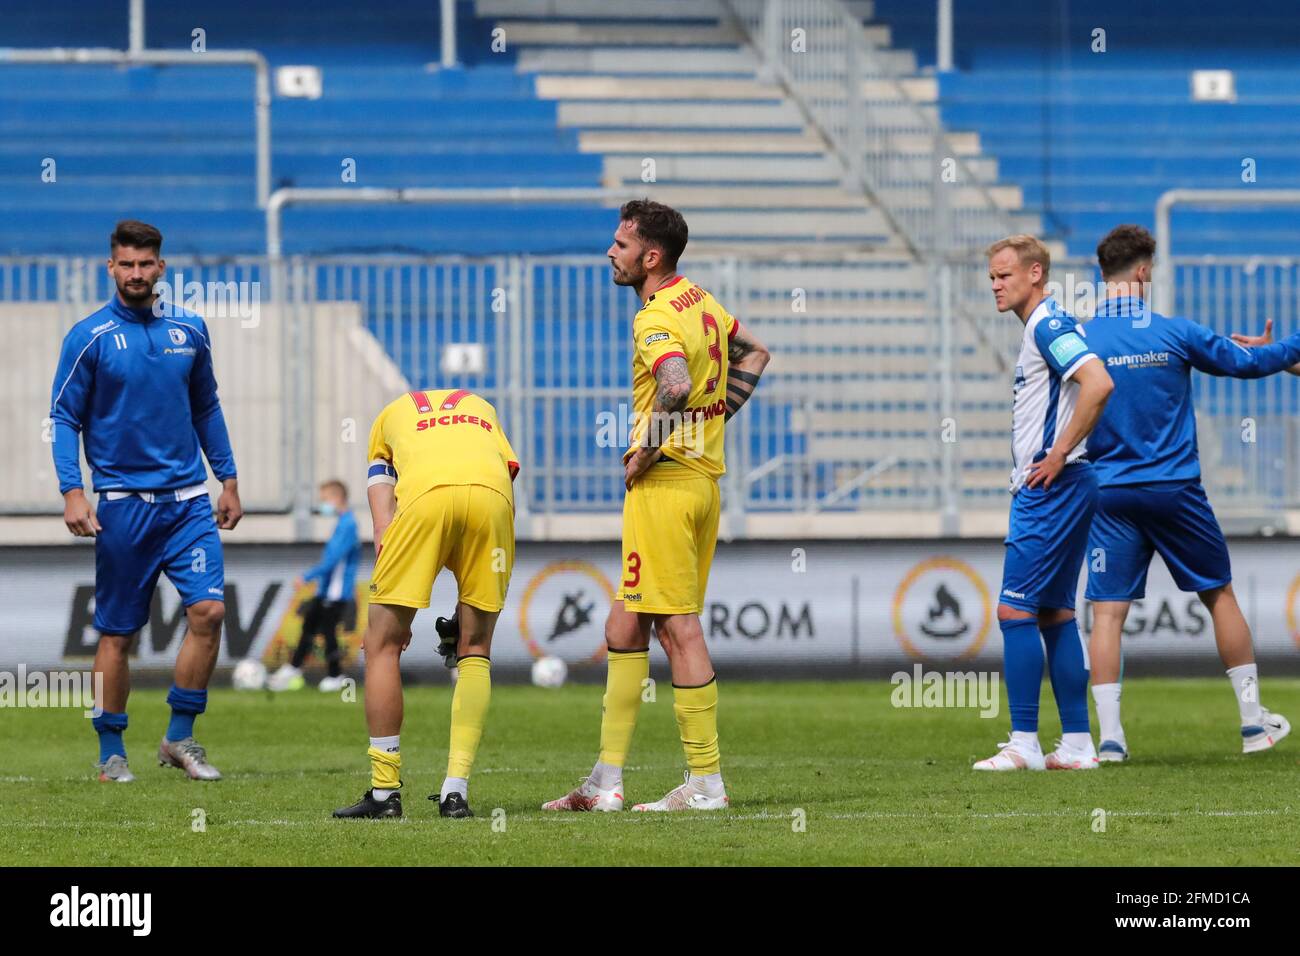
{"x": 1124, "y": 247}
{"x": 659, "y": 225}
{"x": 137, "y": 235}
{"x": 336, "y": 485}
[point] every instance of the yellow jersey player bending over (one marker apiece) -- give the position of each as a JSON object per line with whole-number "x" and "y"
{"x": 693, "y": 367}
{"x": 441, "y": 495}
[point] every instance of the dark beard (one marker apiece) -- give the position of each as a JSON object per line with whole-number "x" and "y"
{"x": 135, "y": 301}
{"x": 631, "y": 278}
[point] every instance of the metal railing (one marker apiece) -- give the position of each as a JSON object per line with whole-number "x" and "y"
{"x": 892, "y": 147}
{"x": 878, "y": 398}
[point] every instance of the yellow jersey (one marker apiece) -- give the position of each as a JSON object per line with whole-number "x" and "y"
{"x": 443, "y": 437}
{"x": 684, "y": 320}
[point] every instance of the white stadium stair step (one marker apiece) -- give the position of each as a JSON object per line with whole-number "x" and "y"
{"x": 671, "y": 10}
{"x": 651, "y": 61}
{"x": 669, "y": 114}
{"x": 639, "y": 89}
{"x": 654, "y": 142}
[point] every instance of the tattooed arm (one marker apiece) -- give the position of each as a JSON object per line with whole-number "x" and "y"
{"x": 673, "y": 391}
{"x": 746, "y": 359}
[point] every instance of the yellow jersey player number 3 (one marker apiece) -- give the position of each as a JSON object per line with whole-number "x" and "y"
{"x": 693, "y": 367}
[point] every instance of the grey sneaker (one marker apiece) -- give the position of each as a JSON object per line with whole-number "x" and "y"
{"x": 115, "y": 770}
{"x": 188, "y": 756}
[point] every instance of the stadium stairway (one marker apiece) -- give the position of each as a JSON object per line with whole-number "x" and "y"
{"x": 670, "y": 97}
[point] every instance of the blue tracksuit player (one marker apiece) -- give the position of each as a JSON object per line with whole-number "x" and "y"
{"x": 1060, "y": 389}
{"x": 1149, "y": 474}
{"x": 135, "y": 382}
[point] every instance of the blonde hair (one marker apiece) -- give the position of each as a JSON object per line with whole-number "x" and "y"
{"x": 1028, "y": 248}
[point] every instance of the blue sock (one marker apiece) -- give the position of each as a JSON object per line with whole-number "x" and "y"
{"x": 186, "y": 704}
{"x": 110, "y": 728}
{"x": 1069, "y": 675}
{"x": 1022, "y": 660}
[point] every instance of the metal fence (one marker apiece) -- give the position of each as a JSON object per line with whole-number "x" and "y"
{"x": 884, "y": 394}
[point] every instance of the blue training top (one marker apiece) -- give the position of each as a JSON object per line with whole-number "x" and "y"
{"x": 1147, "y": 432}
{"x": 140, "y": 390}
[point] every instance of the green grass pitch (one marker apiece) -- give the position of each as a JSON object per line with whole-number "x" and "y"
{"x": 871, "y": 785}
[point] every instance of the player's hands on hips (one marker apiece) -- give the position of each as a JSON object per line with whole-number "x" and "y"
{"x": 637, "y": 464}
{"x": 229, "y": 510}
{"x": 1253, "y": 340}
{"x": 78, "y": 515}
{"x": 1046, "y": 470}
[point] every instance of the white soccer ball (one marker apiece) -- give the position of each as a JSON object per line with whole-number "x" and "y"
{"x": 250, "y": 674}
{"x": 549, "y": 672}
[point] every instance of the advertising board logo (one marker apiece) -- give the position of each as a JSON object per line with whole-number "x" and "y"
{"x": 1293, "y": 610}
{"x": 563, "y": 610}
{"x": 942, "y": 610}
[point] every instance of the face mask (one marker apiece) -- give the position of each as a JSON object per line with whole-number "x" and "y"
{"x": 327, "y": 509}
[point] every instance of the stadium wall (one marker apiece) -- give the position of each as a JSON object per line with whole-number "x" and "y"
{"x": 775, "y": 608}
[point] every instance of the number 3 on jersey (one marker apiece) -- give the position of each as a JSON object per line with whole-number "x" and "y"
{"x": 715, "y": 351}
{"x": 633, "y": 570}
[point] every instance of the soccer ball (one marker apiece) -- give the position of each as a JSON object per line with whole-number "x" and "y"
{"x": 549, "y": 672}
{"x": 250, "y": 674}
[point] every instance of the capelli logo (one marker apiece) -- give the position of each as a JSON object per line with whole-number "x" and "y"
{"x": 74, "y": 909}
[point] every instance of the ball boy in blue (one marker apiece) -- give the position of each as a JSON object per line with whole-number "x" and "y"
{"x": 1149, "y": 473}
{"x": 1060, "y": 390}
{"x": 135, "y": 387}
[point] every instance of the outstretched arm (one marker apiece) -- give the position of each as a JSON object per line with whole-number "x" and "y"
{"x": 1254, "y": 341}
{"x": 746, "y": 359}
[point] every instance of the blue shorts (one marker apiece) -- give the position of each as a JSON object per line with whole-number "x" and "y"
{"x": 1133, "y": 521}
{"x": 139, "y": 540}
{"x": 1046, "y": 539}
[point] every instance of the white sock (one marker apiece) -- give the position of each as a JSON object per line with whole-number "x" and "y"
{"x": 1077, "y": 741}
{"x": 1107, "y": 698}
{"x": 1245, "y": 684}
{"x": 1026, "y": 739}
{"x": 709, "y": 783}
{"x": 454, "y": 785}
{"x": 606, "y": 776}
{"x": 380, "y": 794}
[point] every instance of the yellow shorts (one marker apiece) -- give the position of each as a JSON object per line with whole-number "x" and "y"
{"x": 670, "y": 531}
{"x": 468, "y": 529}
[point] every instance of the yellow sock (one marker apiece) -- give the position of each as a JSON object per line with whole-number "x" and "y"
{"x": 623, "y": 686}
{"x": 697, "y": 720}
{"x": 469, "y": 707}
{"x": 385, "y": 769}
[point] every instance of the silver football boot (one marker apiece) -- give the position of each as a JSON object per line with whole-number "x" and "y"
{"x": 115, "y": 770}
{"x": 189, "y": 756}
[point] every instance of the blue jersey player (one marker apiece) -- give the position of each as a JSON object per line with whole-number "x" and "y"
{"x": 1060, "y": 391}
{"x": 1151, "y": 498}
{"x": 135, "y": 381}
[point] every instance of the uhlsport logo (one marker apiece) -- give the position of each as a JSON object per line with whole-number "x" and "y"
{"x": 563, "y": 610}
{"x": 942, "y": 610}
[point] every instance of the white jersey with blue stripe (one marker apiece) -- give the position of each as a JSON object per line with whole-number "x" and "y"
{"x": 1052, "y": 350}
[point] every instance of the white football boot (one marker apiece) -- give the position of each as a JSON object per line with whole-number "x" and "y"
{"x": 1065, "y": 757}
{"x": 331, "y": 685}
{"x": 689, "y": 796}
{"x": 1267, "y": 733}
{"x": 589, "y": 797}
{"x": 287, "y": 677}
{"x": 1112, "y": 751}
{"x": 187, "y": 755}
{"x": 1012, "y": 755}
